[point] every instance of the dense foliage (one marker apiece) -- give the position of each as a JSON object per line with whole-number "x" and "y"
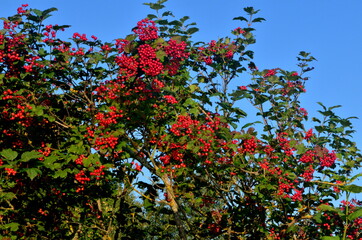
{"x": 147, "y": 137}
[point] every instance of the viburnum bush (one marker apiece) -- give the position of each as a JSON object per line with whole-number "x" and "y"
{"x": 148, "y": 137}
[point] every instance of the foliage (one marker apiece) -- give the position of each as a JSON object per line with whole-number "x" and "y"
{"x": 148, "y": 137}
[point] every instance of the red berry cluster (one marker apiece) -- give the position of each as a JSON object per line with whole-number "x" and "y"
{"x": 10, "y": 171}
{"x": 137, "y": 166}
{"x": 77, "y": 52}
{"x": 82, "y": 37}
{"x": 21, "y": 9}
{"x": 32, "y": 63}
{"x": 323, "y": 157}
{"x": 328, "y": 159}
{"x": 121, "y": 44}
{"x": 50, "y": 34}
{"x": 98, "y": 172}
{"x": 157, "y": 85}
{"x": 45, "y": 151}
{"x": 239, "y": 31}
{"x": 308, "y": 173}
{"x": 176, "y": 50}
{"x": 146, "y": 30}
{"x": 80, "y": 159}
{"x": 203, "y": 148}
{"x": 284, "y": 143}
{"x": 269, "y": 168}
{"x": 11, "y": 52}
{"x": 16, "y": 109}
{"x": 288, "y": 189}
{"x": 183, "y": 126}
{"x": 111, "y": 117}
{"x": 106, "y": 48}
{"x": 170, "y": 99}
{"x": 308, "y": 157}
{"x": 128, "y": 66}
{"x": 303, "y": 111}
{"x": 216, "y": 51}
{"x": 249, "y": 145}
{"x": 104, "y": 142}
{"x": 271, "y": 72}
{"x": 148, "y": 61}
{"x": 309, "y": 134}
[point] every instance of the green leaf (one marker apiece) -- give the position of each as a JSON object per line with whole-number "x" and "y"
{"x": 7, "y": 196}
{"x": 162, "y": 22}
{"x": 87, "y": 161}
{"x": 192, "y": 30}
{"x": 352, "y": 188}
{"x": 13, "y": 226}
{"x": 131, "y": 37}
{"x": 155, "y": 6}
{"x": 167, "y": 13}
{"x": 30, "y": 155}
{"x": 33, "y": 172}
{"x": 355, "y": 214}
{"x": 250, "y": 124}
{"x": 331, "y": 238}
{"x": 355, "y": 177}
{"x": 258, "y": 20}
{"x": 176, "y": 23}
{"x": 49, "y": 161}
{"x": 177, "y": 38}
{"x": 260, "y": 99}
{"x": 184, "y": 18}
{"x": 234, "y": 125}
{"x": 147, "y": 204}
{"x": 316, "y": 120}
{"x": 194, "y": 87}
{"x": 9, "y": 154}
{"x": 37, "y": 12}
{"x": 61, "y": 27}
{"x": 292, "y": 228}
{"x": 76, "y": 148}
{"x": 250, "y": 10}
{"x": 240, "y": 112}
{"x": 321, "y": 104}
{"x": 337, "y": 106}
{"x": 151, "y": 16}
{"x": 240, "y": 18}
{"x": 49, "y": 10}
{"x": 33, "y": 18}
{"x": 300, "y": 148}
{"x": 325, "y": 207}
{"x": 161, "y": 55}
{"x": 60, "y": 173}
{"x": 318, "y": 218}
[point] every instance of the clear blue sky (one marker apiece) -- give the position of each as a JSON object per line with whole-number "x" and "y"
{"x": 329, "y": 29}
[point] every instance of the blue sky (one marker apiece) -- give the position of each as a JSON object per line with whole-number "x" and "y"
{"x": 329, "y": 29}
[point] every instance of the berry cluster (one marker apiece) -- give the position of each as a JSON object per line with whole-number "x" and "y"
{"x": 270, "y": 73}
{"x": 170, "y": 99}
{"x": 79, "y": 160}
{"x": 10, "y": 171}
{"x": 146, "y": 30}
{"x": 309, "y": 134}
{"x": 216, "y": 51}
{"x": 249, "y": 145}
{"x": 149, "y": 63}
{"x": 111, "y": 117}
{"x": 323, "y": 157}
